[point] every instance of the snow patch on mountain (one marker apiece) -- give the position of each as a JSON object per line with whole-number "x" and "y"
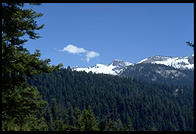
{"x": 118, "y": 66}
{"x": 176, "y": 62}
{"x": 114, "y": 68}
{"x": 167, "y": 73}
{"x": 99, "y": 68}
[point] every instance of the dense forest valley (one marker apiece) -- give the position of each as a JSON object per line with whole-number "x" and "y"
{"x": 114, "y": 103}
{"x": 38, "y": 96}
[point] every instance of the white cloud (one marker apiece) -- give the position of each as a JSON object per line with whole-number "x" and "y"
{"x": 76, "y": 50}
{"x": 91, "y": 54}
{"x": 73, "y": 49}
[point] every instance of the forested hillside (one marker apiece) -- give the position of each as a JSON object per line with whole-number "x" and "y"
{"x": 115, "y": 101}
{"x": 162, "y": 74}
{"x": 38, "y": 96}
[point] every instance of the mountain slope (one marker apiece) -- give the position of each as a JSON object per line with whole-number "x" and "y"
{"x": 118, "y": 66}
{"x": 178, "y": 71}
{"x": 114, "y": 68}
{"x": 158, "y": 73}
{"x": 186, "y": 62}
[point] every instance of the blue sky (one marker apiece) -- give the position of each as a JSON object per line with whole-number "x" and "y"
{"x": 85, "y": 34}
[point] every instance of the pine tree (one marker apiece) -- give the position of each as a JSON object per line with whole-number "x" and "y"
{"x": 119, "y": 125}
{"x": 77, "y": 118}
{"x": 88, "y": 120}
{"x": 23, "y": 104}
{"x": 129, "y": 125}
{"x": 59, "y": 126}
{"x": 19, "y": 100}
{"x": 71, "y": 117}
{"x": 111, "y": 126}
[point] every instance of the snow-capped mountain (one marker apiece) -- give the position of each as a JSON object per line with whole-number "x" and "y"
{"x": 159, "y": 73}
{"x": 186, "y": 62}
{"x": 118, "y": 66}
{"x": 114, "y": 68}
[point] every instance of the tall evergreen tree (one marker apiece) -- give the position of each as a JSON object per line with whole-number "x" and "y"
{"x": 88, "y": 121}
{"x": 58, "y": 125}
{"x": 111, "y": 126}
{"x": 19, "y": 100}
{"x": 129, "y": 124}
{"x": 119, "y": 125}
{"x": 78, "y": 118}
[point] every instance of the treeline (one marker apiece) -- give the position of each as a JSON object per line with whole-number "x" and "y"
{"x": 77, "y": 120}
{"x": 115, "y": 99}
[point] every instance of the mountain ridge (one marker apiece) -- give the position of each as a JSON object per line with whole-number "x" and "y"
{"x": 118, "y": 66}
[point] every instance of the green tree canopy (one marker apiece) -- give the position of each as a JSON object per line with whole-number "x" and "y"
{"x": 19, "y": 100}
{"x": 129, "y": 126}
{"x": 88, "y": 121}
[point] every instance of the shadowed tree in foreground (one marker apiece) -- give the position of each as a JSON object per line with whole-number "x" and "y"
{"x": 21, "y": 102}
